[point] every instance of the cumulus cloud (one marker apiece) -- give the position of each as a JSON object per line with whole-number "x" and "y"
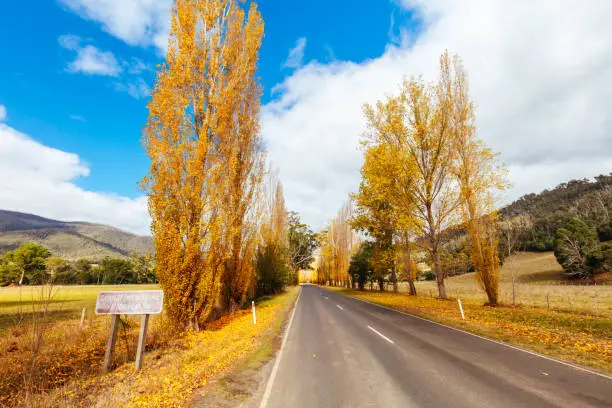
{"x": 296, "y": 54}
{"x": 90, "y": 60}
{"x": 137, "y": 22}
{"x": 41, "y": 180}
{"x": 540, "y": 73}
{"x": 2, "y": 113}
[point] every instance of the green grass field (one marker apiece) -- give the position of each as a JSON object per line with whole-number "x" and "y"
{"x": 63, "y": 302}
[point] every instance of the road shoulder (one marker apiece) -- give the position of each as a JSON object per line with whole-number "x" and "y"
{"x": 244, "y": 385}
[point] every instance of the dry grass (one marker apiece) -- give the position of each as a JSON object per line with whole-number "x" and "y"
{"x": 65, "y": 369}
{"x": 17, "y": 304}
{"x": 537, "y": 276}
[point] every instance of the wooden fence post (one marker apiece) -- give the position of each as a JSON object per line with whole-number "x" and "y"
{"x": 142, "y": 337}
{"x": 595, "y": 306}
{"x": 569, "y": 299}
{"x": 548, "y": 300}
{"x": 110, "y": 344}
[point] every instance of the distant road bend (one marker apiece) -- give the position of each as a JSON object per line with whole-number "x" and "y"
{"x": 342, "y": 352}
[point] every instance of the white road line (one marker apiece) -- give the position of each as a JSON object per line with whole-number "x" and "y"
{"x": 339, "y": 307}
{"x": 501, "y": 343}
{"x": 266, "y": 396}
{"x": 381, "y": 335}
{"x": 326, "y": 297}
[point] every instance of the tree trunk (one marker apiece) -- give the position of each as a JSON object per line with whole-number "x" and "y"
{"x": 413, "y": 291}
{"x": 408, "y": 266}
{"x": 439, "y": 275}
{"x": 394, "y": 280}
{"x": 381, "y": 284}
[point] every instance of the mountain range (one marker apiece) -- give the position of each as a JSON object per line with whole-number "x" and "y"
{"x": 70, "y": 240}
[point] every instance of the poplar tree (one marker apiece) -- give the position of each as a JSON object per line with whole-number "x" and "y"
{"x": 202, "y": 139}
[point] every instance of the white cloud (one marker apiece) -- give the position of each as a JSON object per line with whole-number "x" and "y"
{"x": 92, "y": 61}
{"x": 137, "y": 88}
{"x": 137, "y": 22}
{"x": 540, "y": 73}
{"x": 40, "y": 180}
{"x": 89, "y": 59}
{"x": 296, "y": 54}
{"x": 3, "y": 114}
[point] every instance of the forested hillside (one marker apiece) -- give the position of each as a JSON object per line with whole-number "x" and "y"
{"x": 530, "y": 223}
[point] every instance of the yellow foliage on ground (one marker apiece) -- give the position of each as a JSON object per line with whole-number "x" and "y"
{"x": 174, "y": 370}
{"x": 584, "y": 339}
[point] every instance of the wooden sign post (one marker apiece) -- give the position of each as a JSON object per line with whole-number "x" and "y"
{"x": 142, "y": 302}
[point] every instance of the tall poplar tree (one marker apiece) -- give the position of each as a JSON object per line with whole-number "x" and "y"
{"x": 202, "y": 139}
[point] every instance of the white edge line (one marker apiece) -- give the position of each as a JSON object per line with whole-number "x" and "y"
{"x": 339, "y": 307}
{"x": 268, "y": 391}
{"x": 533, "y": 353}
{"x": 380, "y": 334}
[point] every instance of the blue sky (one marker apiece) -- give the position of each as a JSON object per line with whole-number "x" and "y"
{"x": 85, "y": 113}
{"x": 75, "y": 77}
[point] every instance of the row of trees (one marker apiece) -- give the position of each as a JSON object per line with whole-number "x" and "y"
{"x": 221, "y": 231}
{"x": 34, "y": 264}
{"x": 425, "y": 173}
{"x": 337, "y": 245}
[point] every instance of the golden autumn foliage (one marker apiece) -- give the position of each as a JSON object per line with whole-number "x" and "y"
{"x": 202, "y": 137}
{"x": 337, "y": 245}
{"x": 426, "y": 167}
{"x": 478, "y": 173}
{"x": 375, "y": 214}
{"x": 272, "y": 253}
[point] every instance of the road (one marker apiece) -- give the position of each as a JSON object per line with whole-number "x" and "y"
{"x": 342, "y": 352}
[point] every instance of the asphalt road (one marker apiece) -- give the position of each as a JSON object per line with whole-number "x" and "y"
{"x": 342, "y": 352}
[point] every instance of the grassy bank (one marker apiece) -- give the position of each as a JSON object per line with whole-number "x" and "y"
{"x": 20, "y": 304}
{"x": 65, "y": 369}
{"x": 583, "y": 339}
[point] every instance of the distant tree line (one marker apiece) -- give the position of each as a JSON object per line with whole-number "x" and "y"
{"x": 33, "y": 264}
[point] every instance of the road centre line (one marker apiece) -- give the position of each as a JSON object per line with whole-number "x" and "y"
{"x": 501, "y": 343}
{"x": 381, "y": 335}
{"x": 339, "y": 307}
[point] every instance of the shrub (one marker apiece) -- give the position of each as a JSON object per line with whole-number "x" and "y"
{"x": 577, "y": 249}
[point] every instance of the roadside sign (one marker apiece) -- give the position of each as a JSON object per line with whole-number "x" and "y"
{"x": 130, "y": 302}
